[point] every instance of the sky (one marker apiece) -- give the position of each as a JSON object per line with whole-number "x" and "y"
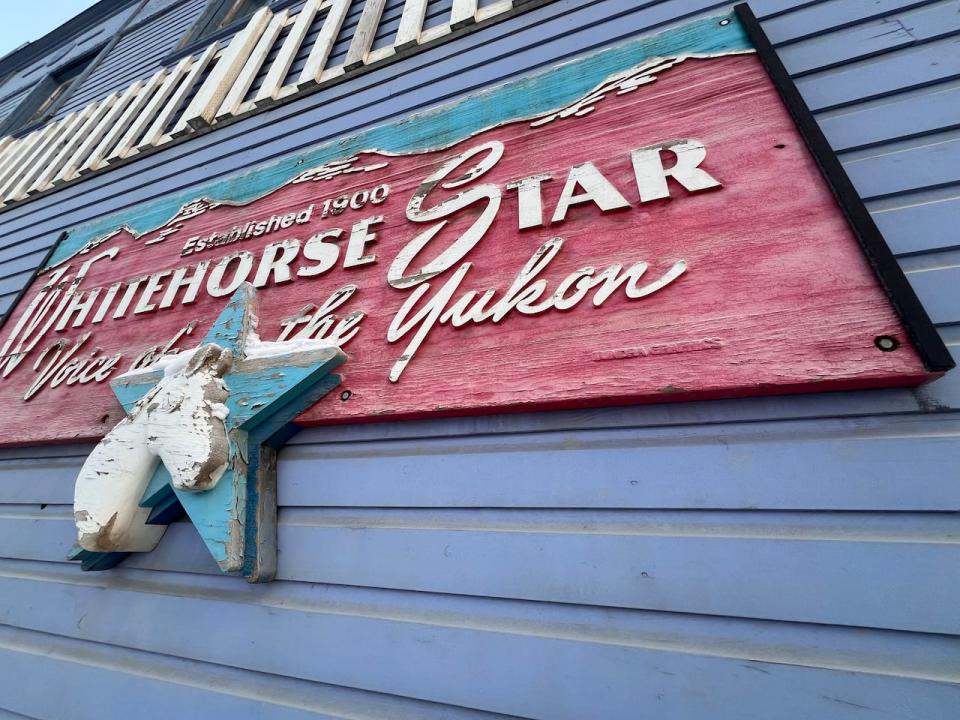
{"x": 27, "y": 21}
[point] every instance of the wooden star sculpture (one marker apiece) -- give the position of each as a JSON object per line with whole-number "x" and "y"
{"x": 201, "y": 436}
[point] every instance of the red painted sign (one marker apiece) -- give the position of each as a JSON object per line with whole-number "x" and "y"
{"x": 668, "y": 237}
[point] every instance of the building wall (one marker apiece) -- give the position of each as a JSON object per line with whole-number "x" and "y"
{"x": 777, "y": 557}
{"x": 152, "y": 36}
{"x": 70, "y": 48}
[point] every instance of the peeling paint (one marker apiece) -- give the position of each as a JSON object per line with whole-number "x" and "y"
{"x": 180, "y": 422}
{"x": 193, "y": 412}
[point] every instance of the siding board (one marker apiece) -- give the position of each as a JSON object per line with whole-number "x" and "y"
{"x": 791, "y": 465}
{"x": 797, "y": 566}
{"x": 919, "y": 164}
{"x": 153, "y": 683}
{"x": 703, "y": 467}
{"x": 939, "y": 289}
{"x": 578, "y": 656}
{"x": 888, "y": 119}
{"x": 38, "y": 480}
{"x": 872, "y": 38}
{"x": 827, "y": 17}
{"x": 16, "y": 266}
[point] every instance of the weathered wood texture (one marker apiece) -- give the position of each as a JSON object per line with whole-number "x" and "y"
{"x": 524, "y": 530}
{"x": 755, "y": 312}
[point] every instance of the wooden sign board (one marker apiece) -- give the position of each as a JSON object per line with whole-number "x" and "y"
{"x": 645, "y": 224}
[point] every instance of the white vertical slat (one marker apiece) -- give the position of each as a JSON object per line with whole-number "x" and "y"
{"x": 20, "y": 150}
{"x": 429, "y": 35}
{"x": 91, "y": 115}
{"x": 14, "y": 149}
{"x": 201, "y": 110}
{"x": 96, "y": 135}
{"x": 249, "y": 73}
{"x": 364, "y": 34}
{"x": 68, "y": 127}
{"x": 8, "y": 148}
{"x": 154, "y": 134}
{"x": 320, "y": 52}
{"x": 35, "y": 144}
{"x": 411, "y": 23}
{"x": 127, "y": 145}
{"x": 6, "y": 143}
{"x": 92, "y": 129}
{"x": 130, "y": 115}
{"x": 497, "y": 8}
{"x": 270, "y": 89}
{"x": 463, "y": 12}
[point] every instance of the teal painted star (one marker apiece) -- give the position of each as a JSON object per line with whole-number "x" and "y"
{"x": 269, "y": 384}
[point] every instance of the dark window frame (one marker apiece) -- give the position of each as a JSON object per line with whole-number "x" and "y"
{"x": 219, "y": 19}
{"x": 190, "y": 45}
{"x": 47, "y": 96}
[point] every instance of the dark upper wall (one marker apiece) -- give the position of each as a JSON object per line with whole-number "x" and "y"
{"x": 152, "y": 39}
{"x": 155, "y": 6}
{"x": 151, "y": 36}
{"x": 10, "y": 101}
{"x": 84, "y": 34}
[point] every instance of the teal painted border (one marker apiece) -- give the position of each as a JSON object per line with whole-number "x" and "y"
{"x": 439, "y": 127}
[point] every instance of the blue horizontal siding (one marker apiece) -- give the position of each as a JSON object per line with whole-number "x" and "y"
{"x": 894, "y": 168}
{"x": 936, "y": 277}
{"x": 889, "y": 119}
{"x": 757, "y": 558}
{"x": 154, "y": 683}
{"x": 891, "y": 32}
{"x": 522, "y": 658}
{"x": 813, "y": 464}
{"x": 921, "y": 221}
{"x": 883, "y": 76}
{"x": 797, "y": 565}
{"x": 829, "y": 16}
